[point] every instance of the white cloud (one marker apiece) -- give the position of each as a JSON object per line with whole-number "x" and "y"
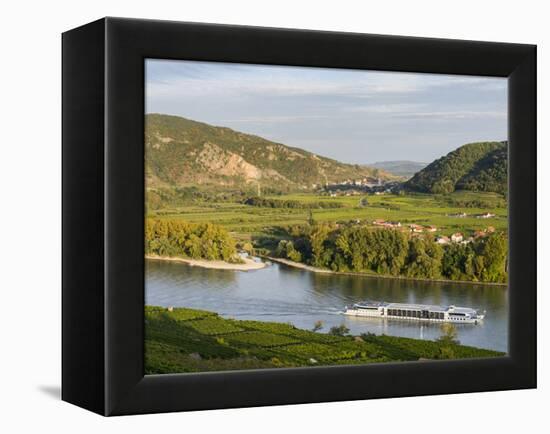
{"x": 464, "y": 114}
{"x": 335, "y": 111}
{"x": 275, "y": 119}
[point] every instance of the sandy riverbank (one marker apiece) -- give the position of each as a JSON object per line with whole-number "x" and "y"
{"x": 248, "y": 265}
{"x": 300, "y": 265}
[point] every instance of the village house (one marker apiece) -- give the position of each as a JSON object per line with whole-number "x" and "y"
{"x": 391, "y": 224}
{"x": 385, "y": 224}
{"x": 431, "y": 229}
{"x": 416, "y": 228}
{"x": 457, "y": 237}
{"x": 485, "y": 232}
{"x": 442, "y": 240}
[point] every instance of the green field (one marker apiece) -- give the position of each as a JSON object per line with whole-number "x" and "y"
{"x": 424, "y": 209}
{"x": 190, "y": 340}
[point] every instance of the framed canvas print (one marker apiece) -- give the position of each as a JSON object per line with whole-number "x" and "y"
{"x": 257, "y": 216}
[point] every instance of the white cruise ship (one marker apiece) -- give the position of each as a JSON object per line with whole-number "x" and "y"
{"x": 415, "y": 312}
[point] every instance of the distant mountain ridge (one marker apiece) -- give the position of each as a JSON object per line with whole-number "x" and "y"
{"x": 399, "y": 167}
{"x": 480, "y": 166}
{"x": 181, "y": 152}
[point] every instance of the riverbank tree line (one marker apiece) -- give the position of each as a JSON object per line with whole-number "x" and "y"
{"x": 170, "y": 237}
{"x": 290, "y": 203}
{"x": 394, "y": 253}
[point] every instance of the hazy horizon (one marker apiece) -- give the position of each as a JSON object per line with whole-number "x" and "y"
{"x": 354, "y": 116}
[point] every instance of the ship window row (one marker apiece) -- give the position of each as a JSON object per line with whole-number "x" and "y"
{"x": 416, "y": 313}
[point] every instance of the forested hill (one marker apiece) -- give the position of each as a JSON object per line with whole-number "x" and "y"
{"x": 481, "y": 166}
{"x": 181, "y": 152}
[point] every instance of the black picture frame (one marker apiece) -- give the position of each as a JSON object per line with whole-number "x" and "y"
{"x": 103, "y": 216}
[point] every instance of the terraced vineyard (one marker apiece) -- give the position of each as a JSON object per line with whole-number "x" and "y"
{"x": 190, "y": 340}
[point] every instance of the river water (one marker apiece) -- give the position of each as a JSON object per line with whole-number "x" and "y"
{"x": 283, "y": 294}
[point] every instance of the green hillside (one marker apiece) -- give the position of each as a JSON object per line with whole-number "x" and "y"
{"x": 183, "y": 153}
{"x": 489, "y": 174}
{"x": 478, "y": 166}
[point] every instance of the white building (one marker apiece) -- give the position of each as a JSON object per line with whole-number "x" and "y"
{"x": 457, "y": 237}
{"x": 487, "y": 215}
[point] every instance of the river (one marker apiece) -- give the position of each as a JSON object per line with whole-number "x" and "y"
{"x": 283, "y": 294}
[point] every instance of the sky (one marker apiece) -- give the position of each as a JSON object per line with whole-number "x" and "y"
{"x": 354, "y": 116}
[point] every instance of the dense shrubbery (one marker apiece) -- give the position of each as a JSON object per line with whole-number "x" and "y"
{"x": 280, "y": 203}
{"x": 475, "y": 166}
{"x": 285, "y": 249}
{"x": 483, "y": 260}
{"x": 363, "y": 249}
{"x": 165, "y": 237}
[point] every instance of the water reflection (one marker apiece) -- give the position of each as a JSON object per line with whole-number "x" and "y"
{"x": 283, "y": 294}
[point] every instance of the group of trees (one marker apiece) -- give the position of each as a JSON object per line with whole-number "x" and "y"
{"x": 489, "y": 174}
{"x": 477, "y": 202}
{"x": 158, "y": 198}
{"x": 483, "y": 260}
{"x": 363, "y": 249}
{"x": 289, "y": 203}
{"x": 165, "y": 237}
